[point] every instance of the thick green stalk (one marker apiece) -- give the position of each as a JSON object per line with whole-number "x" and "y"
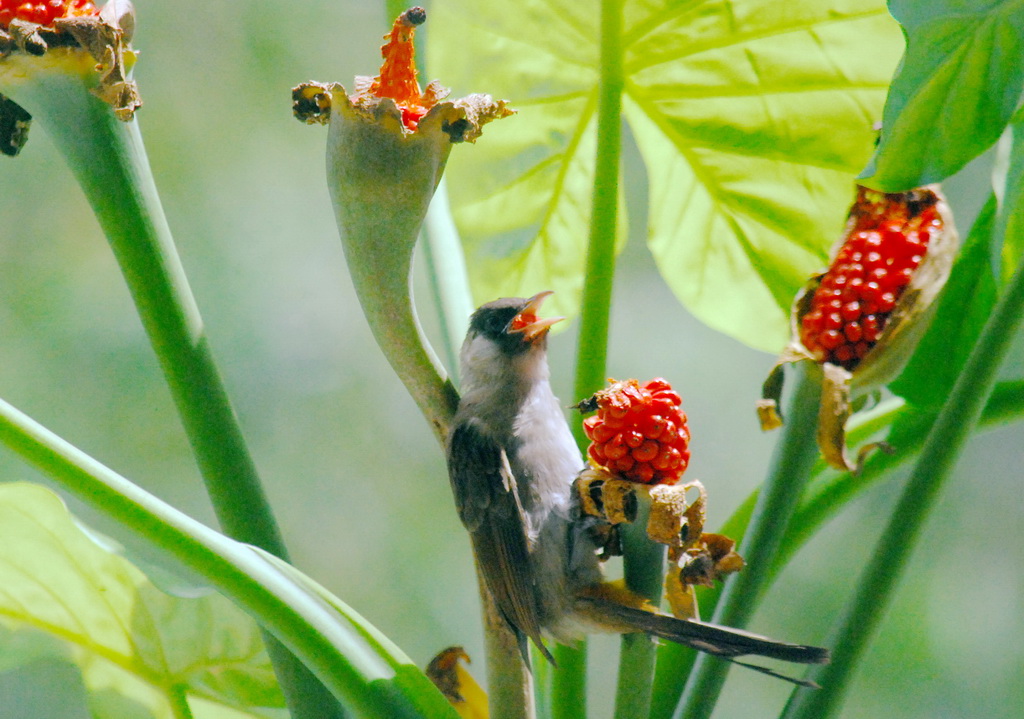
{"x": 675, "y": 662}
{"x": 178, "y": 700}
{"x": 644, "y": 574}
{"x": 360, "y": 667}
{"x": 109, "y": 160}
{"x": 790, "y": 470}
{"x": 592, "y": 352}
{"x": 448, "y": 278}
{"x": 569, "y": 680}
{"x": 938, "y": 458}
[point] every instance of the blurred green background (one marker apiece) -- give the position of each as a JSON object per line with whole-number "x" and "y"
{"x": 352, "y": 470}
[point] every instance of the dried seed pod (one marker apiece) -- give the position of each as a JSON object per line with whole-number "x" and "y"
{"x": 674, "y": 519}
{"x": 861, "y": 319}
{"x": 49, "y": 48}
{"x": 462, "y": 691}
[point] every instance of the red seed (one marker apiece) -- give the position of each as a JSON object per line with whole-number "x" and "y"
{"x": 642, "y": 473}
{"x": 670, "y": 433}
{"x": 843, "y": 353}
{"x": 871, "y": 328}
{"x": 646, "y": 452}
{"x": 633, "y": 438}
{"x": 851, "y": 310}
{"x": 651, "y": 425}
{"x": 830, "y": 339}
{"x": 615, "y": 448}
{"x": 43, "y": 13}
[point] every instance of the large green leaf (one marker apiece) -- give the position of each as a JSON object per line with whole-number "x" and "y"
{"x": 955, "y": 91}
{"x": 63, "y": 594}
{"x": 752, "y": 117}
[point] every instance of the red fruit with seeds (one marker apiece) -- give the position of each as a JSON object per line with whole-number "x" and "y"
{"x": 640, "y": 432}
{"x": 884, "y": 246}
{"x": 43, "y": 13}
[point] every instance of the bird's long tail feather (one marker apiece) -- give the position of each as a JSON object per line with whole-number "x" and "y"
{"x": 724, "y": 642}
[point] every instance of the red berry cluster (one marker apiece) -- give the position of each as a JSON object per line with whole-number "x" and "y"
{"x": 43, "y": 13}
{"x": 639, "y": 432}
{"x": 853, "y": 302}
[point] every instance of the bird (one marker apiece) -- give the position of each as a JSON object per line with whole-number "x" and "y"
{"x": 512, "y": 461}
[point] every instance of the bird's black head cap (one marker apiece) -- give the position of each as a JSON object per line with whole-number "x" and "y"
{"x": 511, "y": 322}
{"x": 494, "y": 320}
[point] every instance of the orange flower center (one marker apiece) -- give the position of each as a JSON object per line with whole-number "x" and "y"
{"x": 397, "y": 79}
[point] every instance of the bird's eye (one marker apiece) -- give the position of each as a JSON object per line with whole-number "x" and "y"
{"x": 496, "y": 324}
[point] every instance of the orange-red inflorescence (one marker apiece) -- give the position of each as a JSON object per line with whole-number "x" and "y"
{"x": 397, "y": 79}
{"x": 850, "y": 307}
{"x": 639, "y": 432}
{"x": 43, "y": 13}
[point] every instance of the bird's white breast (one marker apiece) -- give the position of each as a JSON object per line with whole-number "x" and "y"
{"x": 553, "y": 461}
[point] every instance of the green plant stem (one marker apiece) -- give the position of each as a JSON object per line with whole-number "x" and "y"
{"x": 938, "y": 458}
{"x": 448, "y": 278}
{"x": 177, "y": 696}
{"x": 569, "y": 680}
{"x": 790, "y": 470}
{"x": 644, "y": 573}
{"x": 109, "y": 160}
{"x": 369, "y": 676}
{"x": 675, "y": 662}
{"x": 568, "y": 698}
{"x": 592, "y": 352}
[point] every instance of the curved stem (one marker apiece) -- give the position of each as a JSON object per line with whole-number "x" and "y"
{"x": 938, "y": 458}
{"x": 109, "y": 160}
{"x": 448, "y": 278}
{"x": 361, "y": 669}
{"x": 791, "y": 466}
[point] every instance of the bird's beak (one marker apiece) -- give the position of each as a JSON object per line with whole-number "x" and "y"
{"x": 526, "y": 321}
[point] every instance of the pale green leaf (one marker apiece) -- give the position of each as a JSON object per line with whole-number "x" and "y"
{"x": 522, "y": 196}
{"x": 135, "y": 645}
{"x": 752, "y": 117}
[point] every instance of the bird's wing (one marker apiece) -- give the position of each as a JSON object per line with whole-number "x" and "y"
{"x": 488, "y": 503}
